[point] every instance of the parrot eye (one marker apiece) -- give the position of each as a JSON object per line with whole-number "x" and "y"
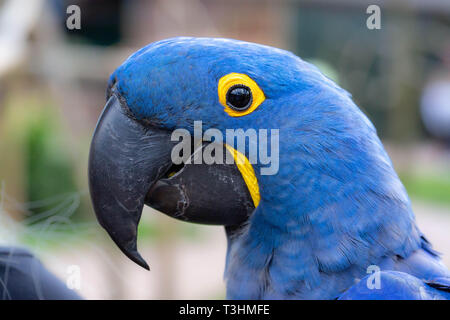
{"x": 239, "y": 97}
{"x": 239, "y": 94}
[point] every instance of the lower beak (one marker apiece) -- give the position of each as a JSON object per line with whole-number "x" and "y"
{"x": 200, "y": 193}
{"x": 125, "y": 160}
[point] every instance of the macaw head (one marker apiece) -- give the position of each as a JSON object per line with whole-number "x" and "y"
{"x": 331, "y": 199}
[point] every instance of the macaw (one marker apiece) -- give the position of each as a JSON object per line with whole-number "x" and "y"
{"x": 312, "y": 230}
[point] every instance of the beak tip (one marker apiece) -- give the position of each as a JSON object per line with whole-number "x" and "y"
{"x": 145, "y": 266}
{"x": 129, "y": 248}
{"x": 137, "y": 258}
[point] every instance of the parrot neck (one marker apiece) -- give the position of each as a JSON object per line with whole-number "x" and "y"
{"x": 266, "y": 260}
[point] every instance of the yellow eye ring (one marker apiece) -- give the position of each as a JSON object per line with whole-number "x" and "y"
{"x": 234, "y": 80}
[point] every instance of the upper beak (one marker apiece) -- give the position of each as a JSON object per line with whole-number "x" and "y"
{"x": 128, "y": 165}
{"x": 125, "y": 160}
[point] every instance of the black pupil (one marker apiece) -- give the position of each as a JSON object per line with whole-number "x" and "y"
{"x": 239, "y": 97}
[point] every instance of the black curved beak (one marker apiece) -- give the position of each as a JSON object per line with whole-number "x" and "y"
{"x": 128, "y": 166}
{"x": 125, "y": 160}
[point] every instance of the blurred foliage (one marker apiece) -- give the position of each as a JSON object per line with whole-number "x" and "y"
{"x": 151, "y": 229}
{"x": 428, "y": 186}
{"x": 148, "y": 230}
{"x": 47, "y": 163}
{"x": 38, "y": 152}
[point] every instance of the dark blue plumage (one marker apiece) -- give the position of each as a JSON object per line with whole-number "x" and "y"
{"x": 335, "y": 207}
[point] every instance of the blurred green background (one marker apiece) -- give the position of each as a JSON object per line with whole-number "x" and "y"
{"x": 52, "y": 87}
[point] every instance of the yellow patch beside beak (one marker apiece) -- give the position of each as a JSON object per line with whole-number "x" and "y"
{"x": 247, "y": 172}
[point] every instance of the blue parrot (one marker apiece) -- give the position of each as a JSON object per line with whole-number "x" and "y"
{"x": 334, "y": 209}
